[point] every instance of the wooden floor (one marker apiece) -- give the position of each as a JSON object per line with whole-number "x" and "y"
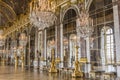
{"x": 9, "y": 73}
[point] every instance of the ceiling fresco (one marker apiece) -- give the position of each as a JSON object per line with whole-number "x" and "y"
{"x": 12, "y": 9}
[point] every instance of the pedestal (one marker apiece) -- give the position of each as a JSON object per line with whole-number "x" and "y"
{"x": 22, "y": 64}
{"x": 53, "y": 68}
{"x": 84, "y": 61}
{"x": 77, "y": 72}
{"x": 3, "y": 62}
{"x": 16, "y": 62}
{"x": 53, "y": 63}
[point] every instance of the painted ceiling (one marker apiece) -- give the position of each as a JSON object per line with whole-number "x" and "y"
{"x": 12, "y": 9}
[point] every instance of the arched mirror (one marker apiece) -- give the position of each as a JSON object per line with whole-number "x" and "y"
{"x": 69, "y": 28}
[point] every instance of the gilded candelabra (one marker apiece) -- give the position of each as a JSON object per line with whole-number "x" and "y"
{"x": 16, "y": 60}
{"x": 3, "y": 61}
{"x": 22, "y": 59}
{"x": 2, "y": 44}
{"x": 53, "y": 63}
{"x": 23, "y": 42}
{"x": 77, "y": 72}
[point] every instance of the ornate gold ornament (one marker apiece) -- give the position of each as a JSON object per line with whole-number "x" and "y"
{"x": 77, "y": 72}
{"x": 17, "y": 25}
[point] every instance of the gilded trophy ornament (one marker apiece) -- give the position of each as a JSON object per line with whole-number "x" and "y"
{"x": 53, "y": 63}
{"x": 22, "y": 60}
{"x": 77, "y": 72}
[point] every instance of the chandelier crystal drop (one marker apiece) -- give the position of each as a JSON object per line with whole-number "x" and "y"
{"x": 86, "y": 23}
{"x": 42, "y": 13}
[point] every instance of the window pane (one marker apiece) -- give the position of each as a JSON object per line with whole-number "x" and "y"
{"x": 109, "y": 45}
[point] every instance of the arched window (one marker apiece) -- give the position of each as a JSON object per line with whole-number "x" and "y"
{"x": 107, "y": 45}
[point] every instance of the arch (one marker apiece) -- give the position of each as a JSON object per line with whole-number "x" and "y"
{"x": 105, "y": 28}
{"x": 7, "y": 7}
{"x": 32, "y": 29}
{"x": 25, "y": 31}
{"x": 69, "y": 14}
{"x": 74, "y": 7}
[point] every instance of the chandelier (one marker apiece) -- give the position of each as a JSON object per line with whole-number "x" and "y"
{"x": 2, "y": 41}
{"x": 52, "y": 43}
{"x": 86, "y": 23}
{"x": 23, "y": 39}
{"x": 41, "y": 13}
{"x": 65, "y": 40}
{"x": 14, "y": 44}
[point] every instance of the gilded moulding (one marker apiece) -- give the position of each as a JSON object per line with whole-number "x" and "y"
{"x": 18, "y": 24}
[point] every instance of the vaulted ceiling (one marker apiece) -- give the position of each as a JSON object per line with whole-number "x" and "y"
{"x": 10, "y": 10}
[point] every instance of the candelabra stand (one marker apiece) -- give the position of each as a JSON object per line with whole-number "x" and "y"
{"x": 16, "y": 60}
{"x": 22, "y": 59}
{"x": 53, "y": 63}
{"x": 23, "y": 42}
{"x": 77, "y": 72}
{"x": 3, "y": 61}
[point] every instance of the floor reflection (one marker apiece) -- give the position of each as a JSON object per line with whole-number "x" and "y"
{"x": 9, "y": 73}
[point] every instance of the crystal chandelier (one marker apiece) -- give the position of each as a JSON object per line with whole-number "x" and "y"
{"x": 23, "y": 39}
{"x": 14, "y": 44}
{"x": 65, "y": 40}
{"x": 86, "y": 23}
{"x": 2, "y": 42}
{"x": 52, "y": 43}
{"x": 41, "y": 13}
